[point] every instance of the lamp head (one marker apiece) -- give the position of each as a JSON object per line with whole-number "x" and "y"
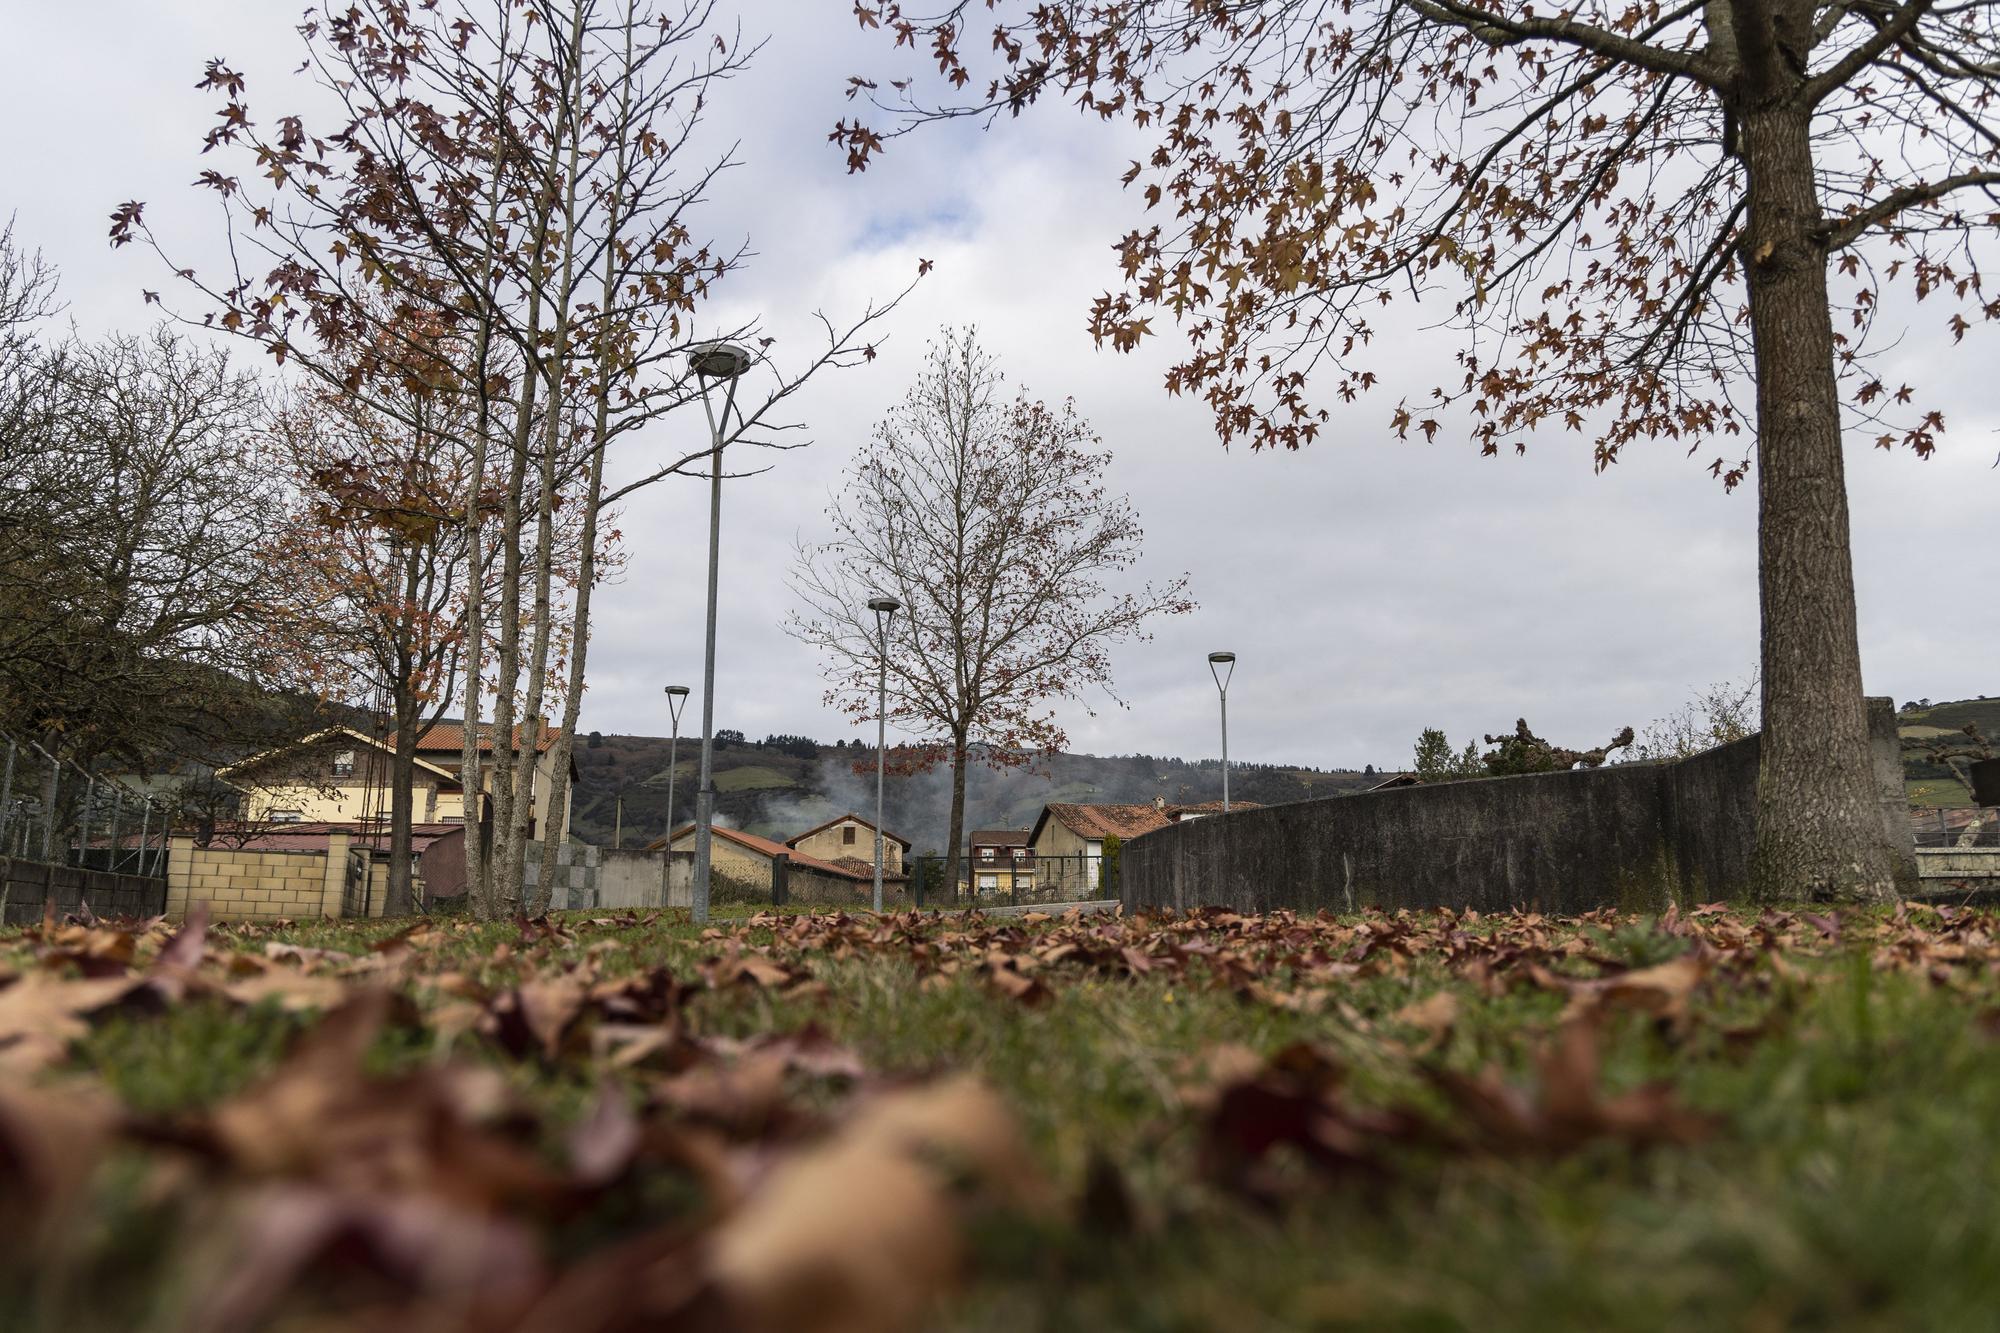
{"x": 884, "y": 604}
{"x": 1222, "y": 657}
{"x": 718, "y": 361}
{"x": 678, "y": 691}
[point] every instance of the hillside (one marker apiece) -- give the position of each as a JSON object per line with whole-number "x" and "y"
{"x": 788, "y": 784}
{"x": 1932, "y": 782}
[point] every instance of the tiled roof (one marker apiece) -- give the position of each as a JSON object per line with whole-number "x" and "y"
{"x": 765, "y": 847}
{"x": 849, "y": 817}
{"x": 1126, "y": 820}
{"x": 998, "y": 837}
{"x": 450, "y": 736}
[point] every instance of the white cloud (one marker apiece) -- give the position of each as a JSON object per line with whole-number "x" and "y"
{"x": 1370, "y": 587}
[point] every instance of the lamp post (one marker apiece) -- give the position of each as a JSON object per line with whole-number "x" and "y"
{"x": 884, "y": 608}
{"x": 676, "y": 700}
{"x": 1216, "y": 663}
{"x": 711, "y": 361}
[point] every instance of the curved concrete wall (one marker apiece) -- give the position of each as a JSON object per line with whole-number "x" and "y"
{"x": 1630, "y": 835}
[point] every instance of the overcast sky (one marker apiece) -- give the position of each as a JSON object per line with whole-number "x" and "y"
{"x": 1369, "y": 588}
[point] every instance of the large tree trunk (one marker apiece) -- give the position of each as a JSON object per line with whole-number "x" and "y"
{"x": 1819, "y": 833}
{"x": 957, "y": 838}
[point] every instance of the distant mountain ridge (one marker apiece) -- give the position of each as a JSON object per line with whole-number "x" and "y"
{"x": 787, "y": 784}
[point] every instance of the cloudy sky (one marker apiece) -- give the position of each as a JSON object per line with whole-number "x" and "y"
{"x": 1370, "y": 588}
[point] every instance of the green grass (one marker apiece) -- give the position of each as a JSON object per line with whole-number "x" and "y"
{"x": 752, "y": 777}
{"x": 1849, "y": 1183}
{"x": 1934, "y": 793}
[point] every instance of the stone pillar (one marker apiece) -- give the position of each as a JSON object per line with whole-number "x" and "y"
{"x": 334, "y": 882}
{"x": 180, "y": 871}
{"x": 781, "y": 879}
{"x": 1885, "y": 748}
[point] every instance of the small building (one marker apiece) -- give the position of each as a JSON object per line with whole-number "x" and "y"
{"x": 742, "y": 862}
{"x": 1000, "y": 860}
{"x": 1068, "y": 840}
{"x": 849, "y": 840}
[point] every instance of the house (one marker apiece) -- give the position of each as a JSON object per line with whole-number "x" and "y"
{"x": 1068, "y": 840}
{"x": 849, "y": 840}
{"x": 1000, "y": 861}
{"x": 341, "y": 776}
{"x": 742, "y": 861}
{"x": 443, "y": 745}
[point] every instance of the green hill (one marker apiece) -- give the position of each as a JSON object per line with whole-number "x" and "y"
{"x": 1927, "y": 727}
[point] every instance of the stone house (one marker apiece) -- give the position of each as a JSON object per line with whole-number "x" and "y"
{"x": 849, "y": 840}
{"x": 743, "y": 860}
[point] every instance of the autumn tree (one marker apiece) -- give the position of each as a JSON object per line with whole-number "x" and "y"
{"x": 521, "y": 178}
{"x": 987, "y": 516}
{"x": 1646, "y": 222}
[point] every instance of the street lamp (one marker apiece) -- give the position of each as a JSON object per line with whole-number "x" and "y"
{"x": 884, "y": 608}
{"x": 726, "y": 362}
{"x": 1216, "y": 661}
{"x": 676, "y": 700}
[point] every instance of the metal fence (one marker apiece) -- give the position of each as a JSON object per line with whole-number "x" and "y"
{"x": 56, "y": 812}
{"x": 1012, "y": 883}
{"x": 1960, "y": 827}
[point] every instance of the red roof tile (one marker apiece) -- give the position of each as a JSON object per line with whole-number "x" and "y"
{"x": 765, "y": 847}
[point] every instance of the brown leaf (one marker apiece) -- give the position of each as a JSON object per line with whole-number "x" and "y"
{"x": 864, "y": 1233}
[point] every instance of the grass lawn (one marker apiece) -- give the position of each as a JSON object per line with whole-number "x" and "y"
{"x": 1714, "y": 1120}
{"x": 1936, "y": 793}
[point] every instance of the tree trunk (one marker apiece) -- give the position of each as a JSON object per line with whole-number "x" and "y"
{"x": 401, "y": 900}
{"x": 1819, "y": 831}
{"x": 957, "y": 838}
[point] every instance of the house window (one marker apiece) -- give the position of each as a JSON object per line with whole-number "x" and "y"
{"x": 989, "y": 881}
{"x": 343, "y": 764}
{"x": 1024, "y": 881}
{"x": 286, "y": 816}
{"x": 986, "y": 853}
{"x": 847, "y": 835}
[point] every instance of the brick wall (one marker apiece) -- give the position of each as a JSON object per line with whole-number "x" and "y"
{"x": 251, "y": 886}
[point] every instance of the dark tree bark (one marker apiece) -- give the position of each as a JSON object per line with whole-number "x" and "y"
{"x": 1818, "y": 832}
{"x": 956, "y": 839}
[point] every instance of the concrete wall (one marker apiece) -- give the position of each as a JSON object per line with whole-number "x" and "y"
{"x": 1974, "y": 867}
{"x": 1629, "y": 835}
{"x": 26, "y": 885}
{"x": 631, "y": 877}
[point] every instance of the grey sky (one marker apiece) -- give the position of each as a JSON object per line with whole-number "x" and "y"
{"x": 1369, "y": 588}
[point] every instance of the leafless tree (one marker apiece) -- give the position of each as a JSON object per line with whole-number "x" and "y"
{"x": 523, "y": 176}
{"x": 987, "y": 516}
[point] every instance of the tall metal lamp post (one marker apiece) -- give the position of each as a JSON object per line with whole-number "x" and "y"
{"x": 1216, "y": 663}
{"x": 676, "y": 700}
{"x": 725, "y": 362}
{"x": 885, "y": 609}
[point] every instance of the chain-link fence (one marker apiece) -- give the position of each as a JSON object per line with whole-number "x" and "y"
{"x": 55, "y": 812}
